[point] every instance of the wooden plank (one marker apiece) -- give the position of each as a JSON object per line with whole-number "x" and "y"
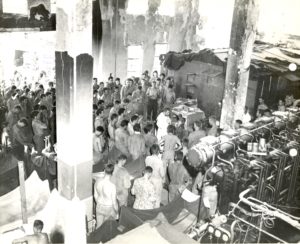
{"x": 23, "y": 192}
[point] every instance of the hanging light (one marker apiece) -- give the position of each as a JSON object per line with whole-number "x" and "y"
{"x": 293, "y": 152}
{"x": 225, "y": 237}
{"x": 218, "y": 233}
{"x": 292, "y": 67}
{"x": 210, "y": 229}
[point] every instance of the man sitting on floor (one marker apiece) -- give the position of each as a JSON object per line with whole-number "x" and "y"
{"x": 37, "y": 238}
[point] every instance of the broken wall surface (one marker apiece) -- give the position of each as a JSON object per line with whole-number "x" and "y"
{"x": 38, "y": 55}
{"x": 209, "y": 86}
{"x": 121, "y": 30}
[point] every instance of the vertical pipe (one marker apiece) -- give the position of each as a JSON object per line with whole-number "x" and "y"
{"x": 279, "y": 178}
{"x": 295, "y": 171}
{"x": 262, "y": 89}
{"x": 22, "y": 192}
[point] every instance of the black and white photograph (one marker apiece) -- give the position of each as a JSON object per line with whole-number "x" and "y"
{"x": 149, "y": 121}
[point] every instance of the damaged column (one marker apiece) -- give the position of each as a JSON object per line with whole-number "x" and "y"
{"x": 243, "y": 33}
{"x": 74, "y": 73}
{"x": 184, "y": 26}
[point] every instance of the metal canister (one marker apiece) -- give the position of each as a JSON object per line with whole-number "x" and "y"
{"x": 262, "y": 145}
{"x": 249, "y": 146}
{"x": 255, "y": 147}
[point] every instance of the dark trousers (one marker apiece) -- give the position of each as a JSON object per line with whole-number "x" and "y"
{"x": 152, "y": 109}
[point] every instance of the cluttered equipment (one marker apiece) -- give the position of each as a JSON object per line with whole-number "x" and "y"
{"x": 256, "y": 176}
{"x": 189, "y": 110}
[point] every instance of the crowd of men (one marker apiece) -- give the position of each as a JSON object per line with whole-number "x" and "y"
{"x": 141, "y": 130}
{"x": 28, "y": 123}
{"x": 137, "y": 141}
{"x": 141, "y": 144}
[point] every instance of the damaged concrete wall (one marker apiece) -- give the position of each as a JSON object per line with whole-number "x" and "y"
{"x": 209, "y": 84}
{"x": 243, "y": 33}
{"x": 113, "y": 50}
{"x": 183, "y": 29}
{"x": 121, "y": 30}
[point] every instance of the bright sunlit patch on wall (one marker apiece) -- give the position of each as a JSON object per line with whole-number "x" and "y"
{"x": 137, "y": 7}
{"x": 135, "y": 60}
{"x": 167, "y": 8}
{"x": 160, "y": 48}
{"x": 217, "y": 17}
{"x": 15, "y": 6}
{"x": 279, "y": 17}
{"x": 53, "y": 6}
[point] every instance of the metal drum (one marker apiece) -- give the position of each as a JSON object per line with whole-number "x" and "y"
{"x": 255, "y": 147}
{"x": 249, "y": 146}
{"x": 202, "y": 152}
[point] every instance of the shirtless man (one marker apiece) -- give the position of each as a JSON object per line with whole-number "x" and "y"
{"x": 121, "y": 179}
{"x": 121, "y": 138}
{"x": 105, "y": 194}
{"x": 136, "y": 143}
{"x": 37, "y": 238}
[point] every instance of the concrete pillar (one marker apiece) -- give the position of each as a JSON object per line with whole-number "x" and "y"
{"x": 243, "y": 32}
{"x": 184, "y": 24}
{"x": 74, "y": 73}
{"x": 149, "y": 39}
{"x": 97, "y": 37}
{"x": 1, "y": 7}
{"x": 120, "y": 50}
{"x": 113, "y": 50}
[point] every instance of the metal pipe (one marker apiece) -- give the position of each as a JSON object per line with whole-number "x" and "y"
{"x": 274, "y": 213}
{"x": 214, "y": 155}
{"x": 271, "y": 177}
{"x": 244, "y": 211}
{"x": 271, "y": 207}
{"x": 262, "y": 230}
{"x": 233, "y": 141}
{"x": 240, "y": 150}
{"x": 287, "y": 167}
{"x": 295, "y": 171}
{"x": 283, "y": 192}
{"x": 272, "y": 190}
{"x": 251, "y": 131}
{"x": 232, "y": 230}
{"x": 225, "y": 161}
{"x": 242, "y": 160}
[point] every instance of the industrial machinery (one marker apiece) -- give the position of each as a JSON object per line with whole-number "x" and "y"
{"x": 256, "y": 173}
